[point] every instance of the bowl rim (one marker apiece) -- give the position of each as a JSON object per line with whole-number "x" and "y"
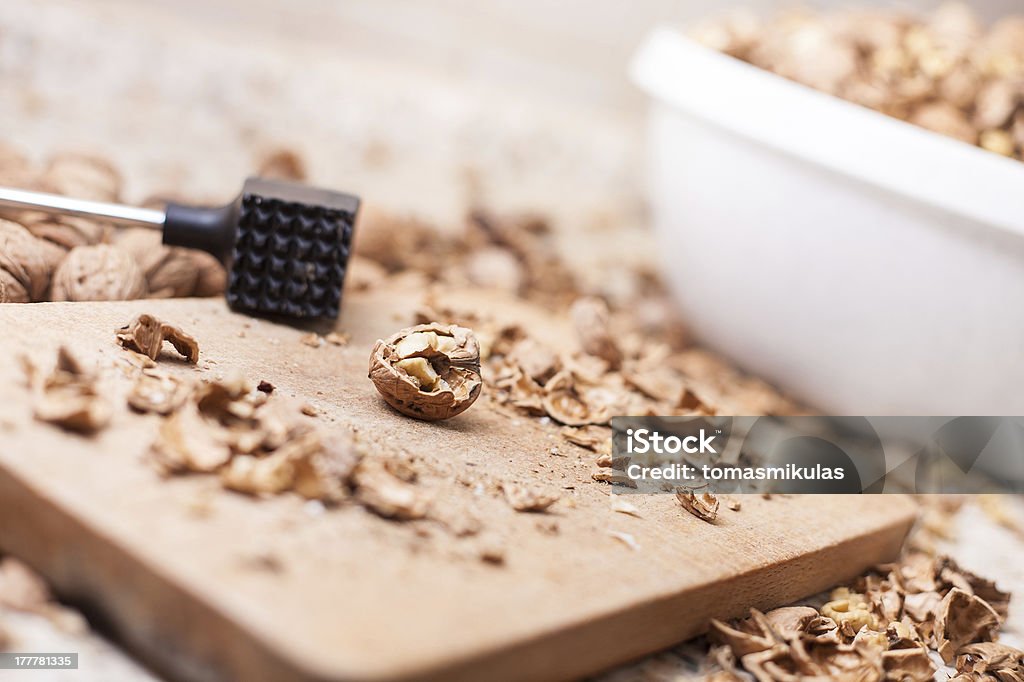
{"x": 847, "y": 138}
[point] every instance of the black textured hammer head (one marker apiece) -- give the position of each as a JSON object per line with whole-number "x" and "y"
{"x": 291, "y": 248}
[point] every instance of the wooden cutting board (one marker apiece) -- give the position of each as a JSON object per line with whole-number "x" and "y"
{"x": 210, "y": 585}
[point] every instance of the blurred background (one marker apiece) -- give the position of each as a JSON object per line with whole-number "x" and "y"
{"x": 419, "y": 106}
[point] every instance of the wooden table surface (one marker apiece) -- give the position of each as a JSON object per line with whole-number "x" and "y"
{"x": 356, "y": 596}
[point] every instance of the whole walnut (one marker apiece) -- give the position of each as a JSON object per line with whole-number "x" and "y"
{"x": 82, "y": 176}
{"x": 98, "y": 273}
{"x": 170, "y": 272}
{"x": 23, "y": 267}
{"x": 211, "y": 277}
{"x": 66, "y": 231}
{"x": 60, "y": 234}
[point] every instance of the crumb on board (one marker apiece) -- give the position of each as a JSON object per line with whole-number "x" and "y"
{"x": 313, "y": 340}
{"x": 528, "y": 498}
{"x": 622, "y": 506}
{"x": 625, "y": 538}
{"x": 703, "y": 505}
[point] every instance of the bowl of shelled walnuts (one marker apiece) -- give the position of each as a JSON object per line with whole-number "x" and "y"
{"x": 840, "y": 200}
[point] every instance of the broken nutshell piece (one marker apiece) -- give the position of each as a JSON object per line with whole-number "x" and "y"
{"x": 259, "y": 475}
{"x": 385, "y": 494}
{"x": 68, "y": 397}
{"x": 703, "y": 506}
{"x": 963, "y": 618}
{"x": 592, "y": 437}
{"x": 312, "y": 339}
{"x": 526, "y": 498}
{"x": 590, "y": 316}
{"x": 336, "y": 339}
{"x": 430, "y": 371}
{"x": 993, "y": 658}
{"x": 157, "y": 393}
{"x": 146, "y": 334}
{"x": 186, "y": 442}
{"x": 324, "y": 472}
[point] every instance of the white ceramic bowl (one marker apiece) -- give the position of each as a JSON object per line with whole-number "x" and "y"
{"x": 864, "y": 264}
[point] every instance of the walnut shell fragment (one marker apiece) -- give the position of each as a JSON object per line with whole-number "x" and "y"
{"x": 98, "y": 273}
{"x": 596, "y": 438}
{"x": 993, "y": 658}
{"x": 188, "y": 442}
{"x": 146, "y": 334}
{"x": 591, "y": 317}
{"x": 324, "y": 472}
{"x": 703, "y": 506}
{"x": 565, "y": 403}
{"x": 157, "y": 393}
{"x": 430, "y": 371}
{"x": 612, "y": 476}
{"x": 259, "y": 475}
{"x": 963, "y": 619}
{"x": 790, "y": 621}
{"x": 68, "y": 397}
{"x": 527, "y": 498}
{"x": 385, "y": 494}
{"x": 256, "y": 446}
{"x": 913, "y": 665}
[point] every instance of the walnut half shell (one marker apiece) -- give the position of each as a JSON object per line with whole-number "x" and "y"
{"x": 430, "y": 371}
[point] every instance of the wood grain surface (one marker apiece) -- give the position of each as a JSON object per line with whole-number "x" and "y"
{"x": 209, "y": 585}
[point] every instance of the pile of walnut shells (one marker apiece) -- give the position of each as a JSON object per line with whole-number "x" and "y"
{"x": 882, "y": 627}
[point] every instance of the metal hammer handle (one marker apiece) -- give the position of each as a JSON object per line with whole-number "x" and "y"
{"x": 24, "y": 200}
{"x": 209, "y": 229}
